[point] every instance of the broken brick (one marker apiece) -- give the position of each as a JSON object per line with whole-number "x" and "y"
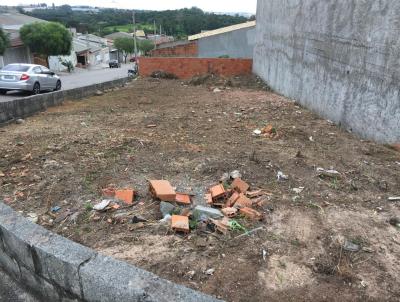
{"x": 251, "y": 214}
{"x": 126, "y": 195}
{"x": 162, "y": 190}
{"x": 180, "y": 223}
{"x": 396, "y": 147}
{"x": 182, "y": 198}
{"x": 221, "y": 225}
{"x": 208, "y": 198}
{"x": 254, "y": 194}
{"x": 217, "y": 191}
{"x": 230, "y": 212}
{"x": 243, "y": 202}
{"x": 231, "y": 201}
{"x": 240, "y": 186}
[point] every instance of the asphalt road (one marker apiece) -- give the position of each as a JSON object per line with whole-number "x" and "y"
{"x": 12, "y": 292}
{"x": 79, "y": 79}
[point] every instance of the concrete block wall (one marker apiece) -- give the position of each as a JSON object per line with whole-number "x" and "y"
{"x": 185, "y": 68}
{"x": 235, "y": 44}
{"x": 24, "y": 107}
{"x": 56, "y": 269}
{"x": 340, "y": 58}
{"x": 184, "y": 50}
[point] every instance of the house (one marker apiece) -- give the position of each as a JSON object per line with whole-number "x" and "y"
{"x": 182, "y": 48}
{"x": 91, "y": 50}
{"x": 11, "y": 23}
{"x": 236, "y": 41}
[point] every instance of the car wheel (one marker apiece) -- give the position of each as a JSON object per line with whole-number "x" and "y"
{"x": 58, "y": 86}
{"x": 36, "y": 88}
{"x": 3, "y": 91}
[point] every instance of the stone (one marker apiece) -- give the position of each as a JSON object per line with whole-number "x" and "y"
{"x": 166, "y": 208}
{"x": 19, "y": 121}
{"x": 350, "y": 246}
{"x": 208, "y": 212}
{"x": 99, "y": 93}
{"x": 235, "y": 174}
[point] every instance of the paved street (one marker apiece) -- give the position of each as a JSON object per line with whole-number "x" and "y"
{"x": 11, "y": 292}
{"x": 79, "y": 79}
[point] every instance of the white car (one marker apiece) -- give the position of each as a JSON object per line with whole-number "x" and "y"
{"x": 28, "y": 77}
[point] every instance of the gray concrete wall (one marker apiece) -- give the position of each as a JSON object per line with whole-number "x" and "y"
{"x": 340, "y": 58}
{"x": 57, "y": 269}
{"x": 24, "y": 107}
{"x": 236, "y": 44}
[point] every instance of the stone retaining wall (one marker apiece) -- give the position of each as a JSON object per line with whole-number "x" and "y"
{"x": 57, "y": 269}
{"x": 24, "y": 107}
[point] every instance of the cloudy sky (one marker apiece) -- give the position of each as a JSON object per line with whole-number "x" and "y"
{"x": 247, "y": 6}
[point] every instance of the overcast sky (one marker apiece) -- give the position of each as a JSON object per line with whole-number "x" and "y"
{"x": 246, "y": 6}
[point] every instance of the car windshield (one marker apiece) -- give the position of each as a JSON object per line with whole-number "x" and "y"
{"x": 20, "y": 68}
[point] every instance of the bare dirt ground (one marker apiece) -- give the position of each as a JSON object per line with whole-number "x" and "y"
{"x": 65, "y": 156}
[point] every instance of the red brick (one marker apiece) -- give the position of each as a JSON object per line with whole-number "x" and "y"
{"x": 208, "y": 198}
{"x": 231, "y": 201}
{"x": 182, "y": 198}
{"x": 180, "y": 223}
{"x": 240, "y": 185}
{"x": 126, "y": 195}
{"x": 230, "y": 212}
{"x": 243, "y": 202}
{"x": 162, "y": 190}
{"x": 251, "y": 214}
{"x": 217, "y": 191}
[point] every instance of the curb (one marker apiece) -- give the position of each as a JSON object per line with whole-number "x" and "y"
{"x": 24, "y": 107}
{"x": 57, "y": 269}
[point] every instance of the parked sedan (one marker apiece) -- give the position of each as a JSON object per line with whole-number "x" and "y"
{"x": 28, "y": 77}
{"x": 114, "y": 64}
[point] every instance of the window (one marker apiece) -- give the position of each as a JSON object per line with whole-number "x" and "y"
{"x": 16, "y": 67}
{"x": 37, "y": 70}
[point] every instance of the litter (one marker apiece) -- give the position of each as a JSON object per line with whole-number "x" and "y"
{"x": 208, "y": 212}
{"x": 235, "y": 174}
{"x": 102, "y": 205}
{"x": 55, "y": 209}
{"x": 394, "y": 198}
{"x": 136, "y": 219}
{"x": 298, "y": 190}
{"x": 281, "y": 177}
{"x": 257, "y": 132}
{"x": 351, "y": 247}
{"x": 32, "y": 217}
{"x": 210, "y": 271}
{"x": 328, "y": 173}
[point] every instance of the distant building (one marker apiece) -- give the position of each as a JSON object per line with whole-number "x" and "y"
{"x": 236, "y": 41}
{"x": 91, "y": 50}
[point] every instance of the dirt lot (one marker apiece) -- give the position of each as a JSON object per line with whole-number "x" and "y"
{"x": 65, "y": 156}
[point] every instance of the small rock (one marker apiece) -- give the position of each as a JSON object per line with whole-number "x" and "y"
{"x": 20, "y": 121}
{"x": 166, "y": 208}
{"x": 2, "y": 174}
{"x": 190, "y": 274}
{"x": 99, "y": 92}
{"x": 257, "y": 132}
{"x": 225, "y": 177}
{"x": 351, "y": 247}
{"x": 280, "y": 176}
{"x": 49, "y": 163}
{"x": 102, "y": 205}
{"x": 235, "y": 174}
{"x": 395, "y": 222}
{"x": 217, "y": 90}
{"x": 33, "y": 217}
{"x": 137, "y": 219}
{"x": 210, "y": 271}
{"x": 298, "y": 190}
{"x": 166, "y": 220}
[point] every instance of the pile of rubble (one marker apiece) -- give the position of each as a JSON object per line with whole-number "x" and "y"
{"x": 225, "y": 203}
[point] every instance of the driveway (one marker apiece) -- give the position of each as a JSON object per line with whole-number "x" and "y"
{"x": 80, "y": 78}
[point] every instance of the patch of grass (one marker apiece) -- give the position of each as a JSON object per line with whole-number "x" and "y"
{"x": 88, "y": 207}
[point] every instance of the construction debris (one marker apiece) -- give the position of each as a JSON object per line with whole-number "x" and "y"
{"x": 281, "y": 177}
{"x": 251, "y": 214}
{"x": 328, "y": 173}
{"x": 162, "y": 190}
{"x": 240, "y": 186}
{"x": 102, "y": 205}
{"x": 126, "y": 195}
{"x": 180, "y": 223}
{"x": 183, "y": 198}
{"x": 208, "y": 212}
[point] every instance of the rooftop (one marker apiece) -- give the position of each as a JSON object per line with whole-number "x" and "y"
{"x": 14, "y": 21}
{"x": 222, "y": 30}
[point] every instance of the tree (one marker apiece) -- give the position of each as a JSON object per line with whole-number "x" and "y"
{"x": 145, "y": 46}
{"x": 4, "y": 41}
{"x": 126, "y": 45}
{"x": 47, "y": 39}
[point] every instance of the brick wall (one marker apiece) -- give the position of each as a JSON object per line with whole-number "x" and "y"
{"x": 185, "y": 68}
{"x": 186, "y": 50}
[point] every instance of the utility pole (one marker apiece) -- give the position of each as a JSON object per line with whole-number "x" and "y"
{"x": 155, "y": 28}
{"x": 134, "y": 34}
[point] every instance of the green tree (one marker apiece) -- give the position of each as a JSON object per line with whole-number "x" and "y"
{"x": 47, "y": 39}
{"x": 145, "y": 46}
{"x": 4, "y": 41}
{"x": 126, "y": 45}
